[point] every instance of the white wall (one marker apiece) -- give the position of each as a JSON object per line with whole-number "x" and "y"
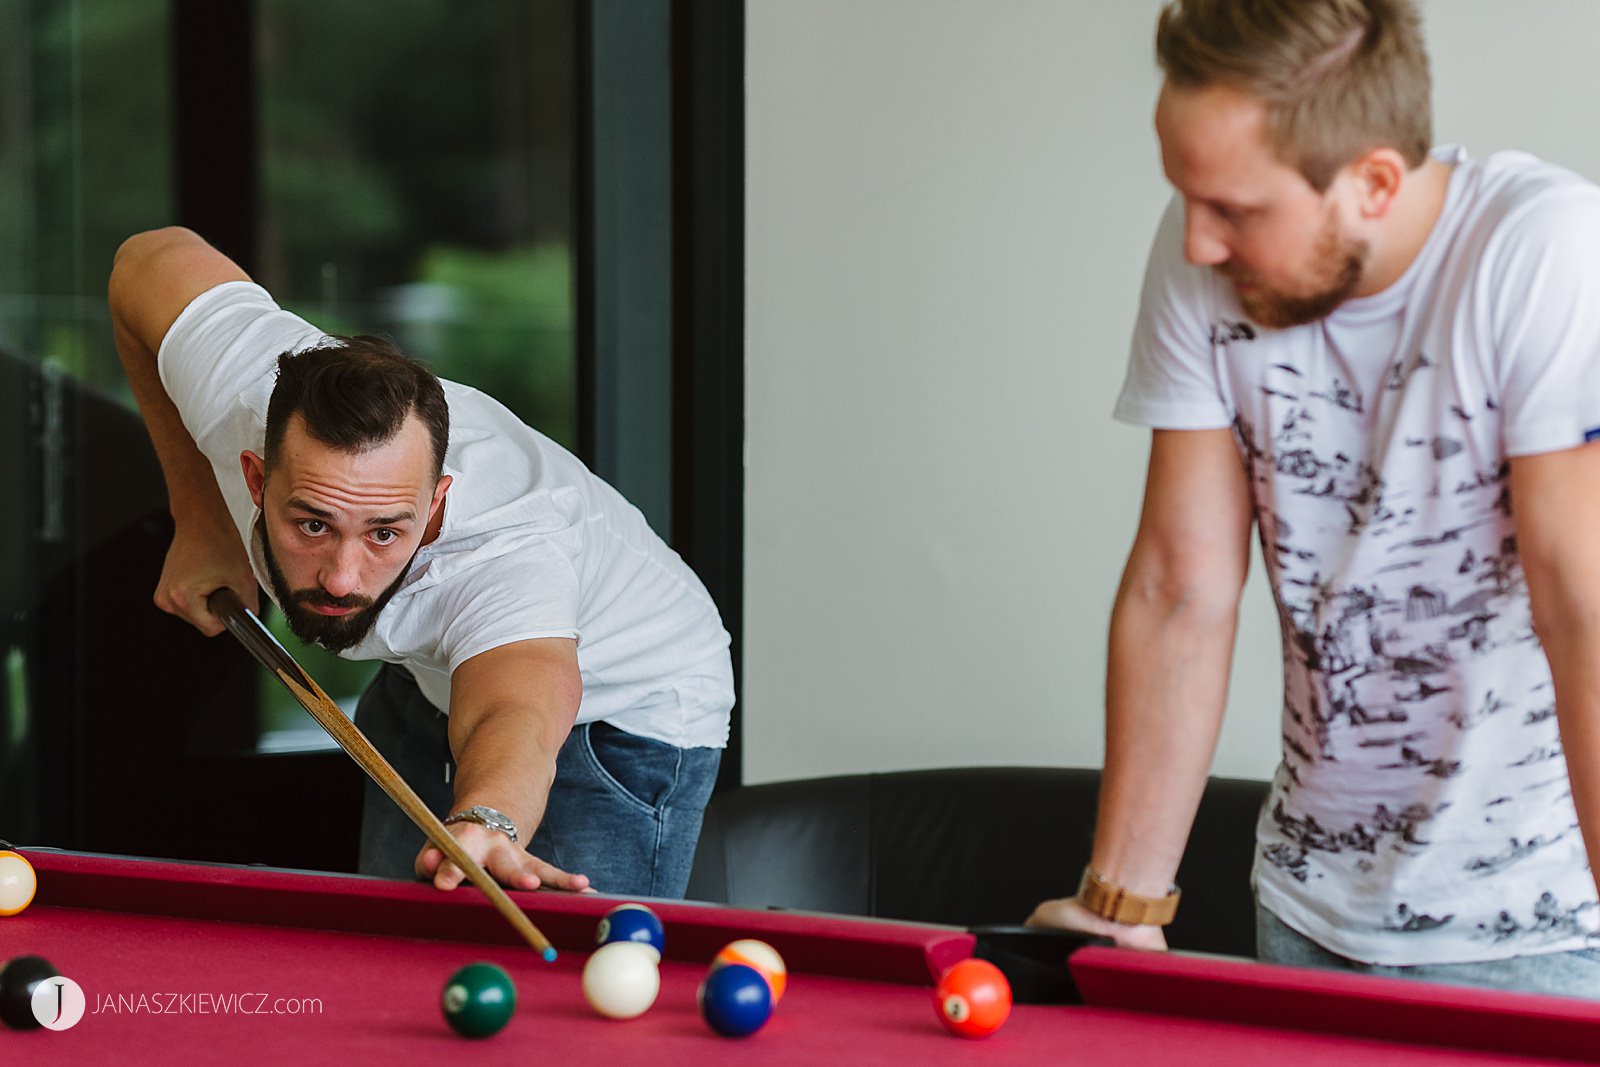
{"x": 948, "y": 205}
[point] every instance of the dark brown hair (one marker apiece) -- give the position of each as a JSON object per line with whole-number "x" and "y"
{"x": 1337, "y": 77}
{"x": 354, "y": 393}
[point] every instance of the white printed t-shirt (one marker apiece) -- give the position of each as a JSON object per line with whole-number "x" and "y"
{"x": 533, "y": 544}
{"x": 1421, "y": 813}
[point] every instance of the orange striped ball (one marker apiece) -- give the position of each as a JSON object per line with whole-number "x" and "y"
{"x": 759, "y": 956}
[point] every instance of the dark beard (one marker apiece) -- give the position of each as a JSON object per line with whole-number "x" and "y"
{"x": 1345, "y": 261}
{"x": 333, "y": 632}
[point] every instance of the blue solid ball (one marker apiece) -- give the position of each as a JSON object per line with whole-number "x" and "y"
{"x": 735, "y": 1000}
{"x": 632, "y": 922}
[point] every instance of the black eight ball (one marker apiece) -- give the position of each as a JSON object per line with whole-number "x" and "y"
{"x": 18, "y": 979}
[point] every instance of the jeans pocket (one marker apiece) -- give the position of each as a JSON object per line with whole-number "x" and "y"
{"x": 642, "y": 770}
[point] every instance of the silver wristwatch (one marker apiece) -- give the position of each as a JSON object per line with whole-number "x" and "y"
{"x": 484, "y": 816}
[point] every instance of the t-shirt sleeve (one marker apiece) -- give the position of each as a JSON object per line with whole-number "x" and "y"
{"x": 519, "y": 596}
{"x": 223, "y": 350}
{"x": 1172, "y": 375}
{"x": 1545, "y": 283}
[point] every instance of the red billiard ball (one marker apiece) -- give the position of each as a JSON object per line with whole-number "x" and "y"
{"x": 973, "y": 998}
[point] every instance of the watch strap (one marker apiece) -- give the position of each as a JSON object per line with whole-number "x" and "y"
{"x": 1111, "y": 901}
{"x": 485, "y": 816}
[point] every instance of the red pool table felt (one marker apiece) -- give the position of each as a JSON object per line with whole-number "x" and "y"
{"x": 186, "y": 963}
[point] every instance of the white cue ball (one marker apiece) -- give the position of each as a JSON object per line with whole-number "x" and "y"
{"x": 621, "y": 979}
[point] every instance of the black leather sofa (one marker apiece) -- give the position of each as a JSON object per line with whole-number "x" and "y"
{"x": 965, "y": 846}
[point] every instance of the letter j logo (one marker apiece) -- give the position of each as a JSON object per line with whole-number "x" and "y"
{"x": 58, "y": 1003}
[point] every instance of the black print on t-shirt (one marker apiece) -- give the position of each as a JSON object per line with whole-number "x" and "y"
{"x": 1406, "y": 921}
{"x": 1372, "y": 651}
{"x": 1548, "y": 920}
{"x": 1225, "y": 332}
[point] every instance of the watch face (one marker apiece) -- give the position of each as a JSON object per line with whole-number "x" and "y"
{"x": 495, "y": 821}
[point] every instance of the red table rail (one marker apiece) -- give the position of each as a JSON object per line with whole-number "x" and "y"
{"x": 911, "y": 953}
{"x": 186, "y": 963}
{"x": 1353, "y": 1005}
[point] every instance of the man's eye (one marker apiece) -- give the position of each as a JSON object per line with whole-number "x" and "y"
{"x": 1234, "y": 215}
{"x": 385, "y": 537}
{"x": 312, "y": 526}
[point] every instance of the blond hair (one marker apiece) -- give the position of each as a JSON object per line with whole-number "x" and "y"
{"x": 1337, "y": 77}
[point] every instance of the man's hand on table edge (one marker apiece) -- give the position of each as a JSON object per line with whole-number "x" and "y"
{"x": 1065, "y": 913}
{"x": 509, "y": 863}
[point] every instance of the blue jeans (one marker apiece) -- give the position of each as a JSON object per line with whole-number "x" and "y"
{"x": 1562, "y": 974}
{"x": 624, "y": 810}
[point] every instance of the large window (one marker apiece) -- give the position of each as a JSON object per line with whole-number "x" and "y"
{"x": 85, "y": 144}
{"x": 411, "y": 169}
{"x": 416, "y": 165}
{"x": 542, "y": 198}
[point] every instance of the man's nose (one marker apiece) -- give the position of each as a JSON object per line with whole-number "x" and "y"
{"x": 1202, "y": 243}
{"x": 341, "y": 570}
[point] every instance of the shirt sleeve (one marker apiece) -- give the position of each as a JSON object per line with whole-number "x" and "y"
{"x": 222, "y": 351}
{"x": 1172, "y": 374}
{"x": 530, "y": 593}
{"x": 1545, "y": 283}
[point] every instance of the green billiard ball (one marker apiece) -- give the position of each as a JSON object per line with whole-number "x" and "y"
{"x": 478, "y": 1000}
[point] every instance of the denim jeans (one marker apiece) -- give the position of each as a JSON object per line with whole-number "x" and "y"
{"x": 1563, "y": 974}
{"x": 624, "y": 810}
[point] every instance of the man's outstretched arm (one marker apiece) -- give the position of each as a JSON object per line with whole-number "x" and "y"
{"x": 1171, "y": 646}
{"x": 511, "y": 709}
{"x": 154, "y": 277}
{"x": 1555, "y": 500}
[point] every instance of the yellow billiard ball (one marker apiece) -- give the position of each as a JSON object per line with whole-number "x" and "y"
{"x": 17, "y": 883}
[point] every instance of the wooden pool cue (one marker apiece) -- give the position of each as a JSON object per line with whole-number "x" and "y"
{"x": 243, "y": 624}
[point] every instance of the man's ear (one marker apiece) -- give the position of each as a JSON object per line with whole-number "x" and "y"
{"x": 254, "y": 469}
{"x": 1379, "y": 173}
{"x": 435, "y": 520}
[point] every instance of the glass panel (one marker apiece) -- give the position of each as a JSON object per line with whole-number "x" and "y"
{"x": 417, "y": 182}
{"x": 85, "y": 150}
{"x": 84, "y": 161}
{"x": 416, "y": 177}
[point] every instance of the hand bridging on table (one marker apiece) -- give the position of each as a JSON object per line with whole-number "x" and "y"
{"x": 509, "y": 863}
{"x": 1066, "y": 913}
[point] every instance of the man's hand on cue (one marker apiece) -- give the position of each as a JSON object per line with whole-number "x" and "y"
{"x": 196, "y": 566}
{"x": 1066, "y": 913}
{"x": 508, "y": 863}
